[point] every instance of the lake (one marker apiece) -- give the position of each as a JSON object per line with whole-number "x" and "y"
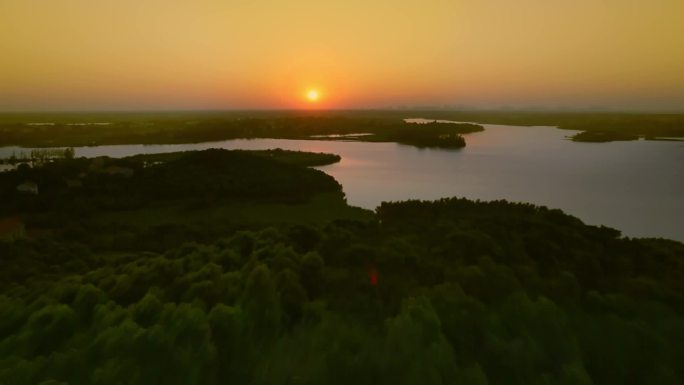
{"x": 636, "y": 187}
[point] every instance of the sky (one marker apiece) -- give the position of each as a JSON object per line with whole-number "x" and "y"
{"x": 257, "y": 54}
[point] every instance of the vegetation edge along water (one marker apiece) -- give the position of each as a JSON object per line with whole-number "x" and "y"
{"x": 98, "y": 128}
{"x": 146, "y": 129}
{"x": 223, "y": 266}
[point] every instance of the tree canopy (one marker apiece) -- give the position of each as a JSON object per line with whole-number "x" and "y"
{"x": 464, "y": 292}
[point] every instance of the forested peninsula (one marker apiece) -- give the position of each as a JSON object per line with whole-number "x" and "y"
{"x": 220, "y": 267}
{"x": 73, "y": 130}
{"x": 592, "y": 126}
{"x": 105, "y": 128}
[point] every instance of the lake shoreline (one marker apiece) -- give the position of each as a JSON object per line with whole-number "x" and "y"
{"x": 522, "y": 164}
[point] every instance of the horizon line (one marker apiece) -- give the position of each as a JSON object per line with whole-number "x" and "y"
{"x": 371, "y": 109}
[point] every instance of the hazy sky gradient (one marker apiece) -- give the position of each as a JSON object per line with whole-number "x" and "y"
{"x": 208, "y": 54}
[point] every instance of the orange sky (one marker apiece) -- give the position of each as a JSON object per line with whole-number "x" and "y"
{"x": 208, "y": 54}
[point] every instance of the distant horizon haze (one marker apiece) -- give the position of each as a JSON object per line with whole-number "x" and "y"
{"x": 411, "y": 111}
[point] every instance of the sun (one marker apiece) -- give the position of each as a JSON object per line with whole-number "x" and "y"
{"x": 312, "y": 95}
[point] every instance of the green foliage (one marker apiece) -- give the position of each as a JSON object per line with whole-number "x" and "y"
{"x": 434, "y": 134}
{"x": 193, "y": 128}
{"x": 415, "y": 349}
{"x": 466, "y": 292}
{"x": 193, "y": 196}
{"x": 602, "y": 136}
{"x": 262, "y": 304}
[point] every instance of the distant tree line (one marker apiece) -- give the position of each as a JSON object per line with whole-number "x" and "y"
{"x": 39, "y": 155}
{"x": 214, "y": 128}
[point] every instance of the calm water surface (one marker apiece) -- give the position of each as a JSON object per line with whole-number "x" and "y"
{"x": 636, "y": 187}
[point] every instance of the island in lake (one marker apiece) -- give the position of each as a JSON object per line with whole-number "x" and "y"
{"x": 72, "y": 130}
{"x": 91, "y": 129}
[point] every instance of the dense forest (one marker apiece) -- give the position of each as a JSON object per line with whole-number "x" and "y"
{"x": 60, "y": 131}
{"x": 173, "y": 197}
{"x": 602, "y": 136}
{"x": 81, "y": 129}
{"x": 221, "y": 267}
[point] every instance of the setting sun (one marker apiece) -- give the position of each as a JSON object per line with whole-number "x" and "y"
{"x": 195, "y": 191}
{"x": 312, "y": 95}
